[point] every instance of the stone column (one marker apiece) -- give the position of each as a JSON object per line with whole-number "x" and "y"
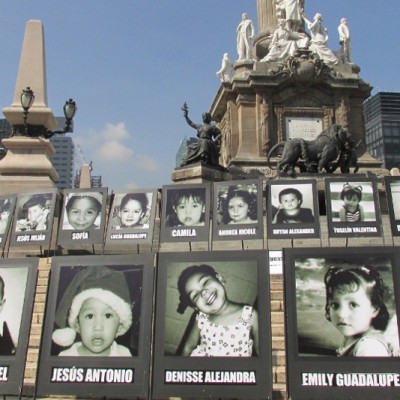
{"x": 266, "y": 15}
{"x": 248, "y": 141}
{"x": 267, "y": 23}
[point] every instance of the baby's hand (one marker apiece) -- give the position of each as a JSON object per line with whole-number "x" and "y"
{"x": 22, "y": 225}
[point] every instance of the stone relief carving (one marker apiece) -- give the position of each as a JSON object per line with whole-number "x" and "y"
{"x": 304, "y": 67}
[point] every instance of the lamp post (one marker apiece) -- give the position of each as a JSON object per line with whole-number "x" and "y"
{"x": 27, "y": 99}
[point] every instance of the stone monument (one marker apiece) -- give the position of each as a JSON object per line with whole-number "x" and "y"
{"x": 27, "y": 165}
{"x": 296, "y": 94}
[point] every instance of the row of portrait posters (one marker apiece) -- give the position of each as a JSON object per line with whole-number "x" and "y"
{"x": 292, "y": 211}
{"x": 98, "y": 323}
{"x": 211, "y": 334}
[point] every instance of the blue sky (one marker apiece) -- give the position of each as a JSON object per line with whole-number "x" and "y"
{"x": 130, "y": 65}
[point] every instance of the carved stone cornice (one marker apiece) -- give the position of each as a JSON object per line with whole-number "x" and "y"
{"x": 245, "y": 100}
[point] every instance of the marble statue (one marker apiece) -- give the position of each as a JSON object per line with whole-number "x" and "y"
{"x": 285, "y": 42}
{"x": 245, "y": 34}
{"x": 226, "y": 71}
{"x": 206, "y": 150}
{"x": 319, "y": 40}
{"x": 344, "y": 40}
{"x": 293, "y": 13}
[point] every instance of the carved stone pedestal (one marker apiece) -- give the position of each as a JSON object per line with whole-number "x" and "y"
{"x": 27, "y": 165}
{"x": 199, "y": 173}
{"x": 269, "y": 102}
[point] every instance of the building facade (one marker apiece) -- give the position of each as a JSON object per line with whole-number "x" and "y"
{"x": 382, "y": 127}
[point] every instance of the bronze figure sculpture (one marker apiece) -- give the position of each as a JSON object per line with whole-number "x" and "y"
{"x": 316, "y": 155}
{"x": 206, "y": 150}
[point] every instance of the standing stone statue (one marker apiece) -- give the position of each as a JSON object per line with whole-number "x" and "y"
{"x": 245, "y": 35}
{"x": 319, "y": 40}
{"x": 206, "y": 150}
{"x": 226, "y": 71}
{"x": 293, "y": 13}
{"x": 344, "y": 40}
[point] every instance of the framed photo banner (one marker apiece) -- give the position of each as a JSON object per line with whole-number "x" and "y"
{"x": 392, "y": 184}
{"x": 185, "y": 213}
{"x": 33, "y": 221}
{"x": 82, "y": 218}
{"x": 352, "y": 207}
{"x": 342, "y": 328}
{"x": 7, "y": 205}
{"x": 17, "y": 290}
{"x": 98, "y": 327}
{"x": 212, "y": 332}
{"x": 131, "y": 218}
{"x": 237, "y": 210}
{"x": 292, "y": 209}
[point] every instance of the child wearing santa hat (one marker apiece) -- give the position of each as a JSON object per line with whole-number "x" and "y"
{"x": 96, "y": 306}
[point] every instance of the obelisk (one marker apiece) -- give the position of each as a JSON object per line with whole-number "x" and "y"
{"x": 27, "y": 164}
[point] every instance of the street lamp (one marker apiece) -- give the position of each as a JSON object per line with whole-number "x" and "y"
{"x": 27, "y": 99}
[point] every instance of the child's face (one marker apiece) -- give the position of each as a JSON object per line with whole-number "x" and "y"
{"x": 351, "y": 202}
{"x": 237, "y": 209}
{"x": 4, "y": 215}
{"x": 290, "y": 202}
{"x": 131, "y": 213}
{"x": 206, "y": 293}
{"x": 189, "y": 211}
{"x": 82, "y": 213}
{"x": 98, "y": 325}
{"x": 351, "y": 312}
{"x": 35, "y": 213}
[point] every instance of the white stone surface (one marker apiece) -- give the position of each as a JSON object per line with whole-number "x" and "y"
{"x": 32, "y": 73}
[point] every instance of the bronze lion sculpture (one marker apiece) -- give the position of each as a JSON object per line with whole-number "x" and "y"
{"x": 317, "y": 155}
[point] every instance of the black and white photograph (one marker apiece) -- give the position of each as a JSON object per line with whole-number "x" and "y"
{"x": 185, "y": 213}
{"x": 131, "y": 218}
{"x": 292, "y": 209}
{"x": 7, "y": 204}
{"x": 352, "y": 207}
{"x": 17, "y": 289}
{"x": 98, "y": 309}
{"x": 341, "y": 310}
{"x": 237, "y": 210}
{"x": 204, "y": 296}
{"x": 83, "y": 216}
{"x": 392, "y": 184}
{"x": 33, "y": 218}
